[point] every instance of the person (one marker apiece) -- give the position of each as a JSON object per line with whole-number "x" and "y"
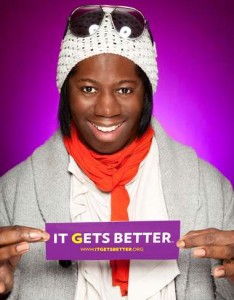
{"x": 111, "y": 160}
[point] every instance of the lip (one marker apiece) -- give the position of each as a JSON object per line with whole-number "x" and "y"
{"x": 106, "y": 133}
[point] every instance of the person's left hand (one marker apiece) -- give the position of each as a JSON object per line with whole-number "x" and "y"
{"x": 212, "y": 243}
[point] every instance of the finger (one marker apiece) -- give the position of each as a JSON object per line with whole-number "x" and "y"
{"x": 210, "y": 238}
{"x": 2, "y": 288}
{"x": 231, "y": 279}
{"x": 13, "y": 261}
{"x": 11, "y": 251}
{"x": 6, "y": 279}
{"x": 15, "y": 234}
{"x": 228, "y": 261}
{"x": 181, "y": 242}
{"x": 217, "y": 252}
{"x": 226, "y": 270}
{"x": 201, "y": 231}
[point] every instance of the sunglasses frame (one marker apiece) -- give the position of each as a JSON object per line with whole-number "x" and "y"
{"x": 109, "y": 14}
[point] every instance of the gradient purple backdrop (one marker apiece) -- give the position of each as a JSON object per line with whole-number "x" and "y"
{"x": 194, "y": 100}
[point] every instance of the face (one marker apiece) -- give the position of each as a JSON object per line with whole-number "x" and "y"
{"x": 106, "y": 100}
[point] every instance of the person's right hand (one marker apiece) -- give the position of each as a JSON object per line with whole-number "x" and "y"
{"x": 14, "y": 242}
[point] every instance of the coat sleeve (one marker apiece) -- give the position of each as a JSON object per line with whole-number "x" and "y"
{"x": 8, "y": 198}
{"x": 7, "y": 191}
{"x": 219, "y": 195}
{"x": 225, "y": 289}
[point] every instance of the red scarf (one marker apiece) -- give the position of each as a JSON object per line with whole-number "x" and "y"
{"x": 110, "y": 173}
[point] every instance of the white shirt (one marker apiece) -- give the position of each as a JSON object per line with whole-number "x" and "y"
{"x": 152, "y": 280}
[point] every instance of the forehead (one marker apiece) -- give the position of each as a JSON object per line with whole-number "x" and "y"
{"x": 107, "y": 66}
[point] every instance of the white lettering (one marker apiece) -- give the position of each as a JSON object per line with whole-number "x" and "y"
{"x": 156, "y": 237}
{"x": 137, "y": 235}
{"x": 87, "y": 238}
{"x": 61, "y": 236}
{"x": 106, "y": 238}
{"x": 118, "y": 237}
{"x": 166, "y": 237}
{"x": 147, "y": 235}
{"x": 97, "y": 235}
{"x": 128, "y": 237}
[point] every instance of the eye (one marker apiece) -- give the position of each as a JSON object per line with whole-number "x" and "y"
{"x": 125, "y": 91}
{"x": 88, "y": 89}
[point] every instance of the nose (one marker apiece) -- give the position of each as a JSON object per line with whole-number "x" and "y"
{"x": 107, "y": 105}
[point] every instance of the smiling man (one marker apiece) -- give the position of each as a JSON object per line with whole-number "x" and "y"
{"x": 106, "y": 102}
{"x": 111, "y": 161}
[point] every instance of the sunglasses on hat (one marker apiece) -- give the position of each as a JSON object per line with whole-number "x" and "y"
{"x": 86, "y": 20}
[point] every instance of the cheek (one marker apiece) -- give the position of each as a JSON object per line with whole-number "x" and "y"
{"x": 136, "y": 108}
{"x": 78, "y": 107}
{"x": 75, "y": 109}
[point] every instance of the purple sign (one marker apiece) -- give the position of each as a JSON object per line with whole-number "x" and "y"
{"x": 113, "y": 240}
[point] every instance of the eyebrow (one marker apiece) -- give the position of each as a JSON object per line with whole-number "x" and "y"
{"x": 95, "y": 81}
{"x": 87, "y": 79}
{"x": 127, "y": 81}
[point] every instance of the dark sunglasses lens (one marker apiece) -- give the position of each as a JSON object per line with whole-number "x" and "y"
{"x": 86, "y": 20}
{"x": 128, "y": 22}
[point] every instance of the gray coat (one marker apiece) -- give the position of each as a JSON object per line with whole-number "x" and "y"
{"x": 37, "y": 191}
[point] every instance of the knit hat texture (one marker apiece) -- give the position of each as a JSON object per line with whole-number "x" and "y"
{"x": 107, "y": 40}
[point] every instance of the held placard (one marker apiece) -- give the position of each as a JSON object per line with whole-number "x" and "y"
{"x": 113, "y": 240}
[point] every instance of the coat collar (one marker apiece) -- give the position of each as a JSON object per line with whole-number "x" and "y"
{"x": 180, "y": 181}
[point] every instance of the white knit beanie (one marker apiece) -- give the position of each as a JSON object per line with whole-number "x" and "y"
{"x": 106, "y": 40}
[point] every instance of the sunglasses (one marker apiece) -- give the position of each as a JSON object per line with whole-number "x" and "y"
{"x": 86, "y": 20}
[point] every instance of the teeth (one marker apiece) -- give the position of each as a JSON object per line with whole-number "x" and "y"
{"x": 107, "y": 129}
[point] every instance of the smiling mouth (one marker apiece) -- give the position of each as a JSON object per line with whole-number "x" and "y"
{"x": 107, "y": 128}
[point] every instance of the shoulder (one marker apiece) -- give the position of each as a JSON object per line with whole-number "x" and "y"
{"x": 24, "y": 171}
{"x": 19, "y": 182}
{"x": 185, "y": 156}
{"x": 187, "y": 169}
{"x": 170, "y": 148}
{"x": 211, "y": 176}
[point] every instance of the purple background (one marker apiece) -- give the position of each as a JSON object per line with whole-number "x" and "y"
{"x": 194, "y": 101}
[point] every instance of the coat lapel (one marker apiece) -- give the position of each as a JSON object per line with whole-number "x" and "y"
{"x": 179, "y": 171}
{"x": 52, "y": 180}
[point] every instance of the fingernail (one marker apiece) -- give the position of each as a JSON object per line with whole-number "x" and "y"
{"x": 22, "y": 248}
{"x": 219, "y": 273}
{"x": 38, "y": 235}
{"x": 45, "y": 236}
{"x": 180, "y": 244}
{"x": 35, "y": 235}
{"x": 199, "y": 252}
